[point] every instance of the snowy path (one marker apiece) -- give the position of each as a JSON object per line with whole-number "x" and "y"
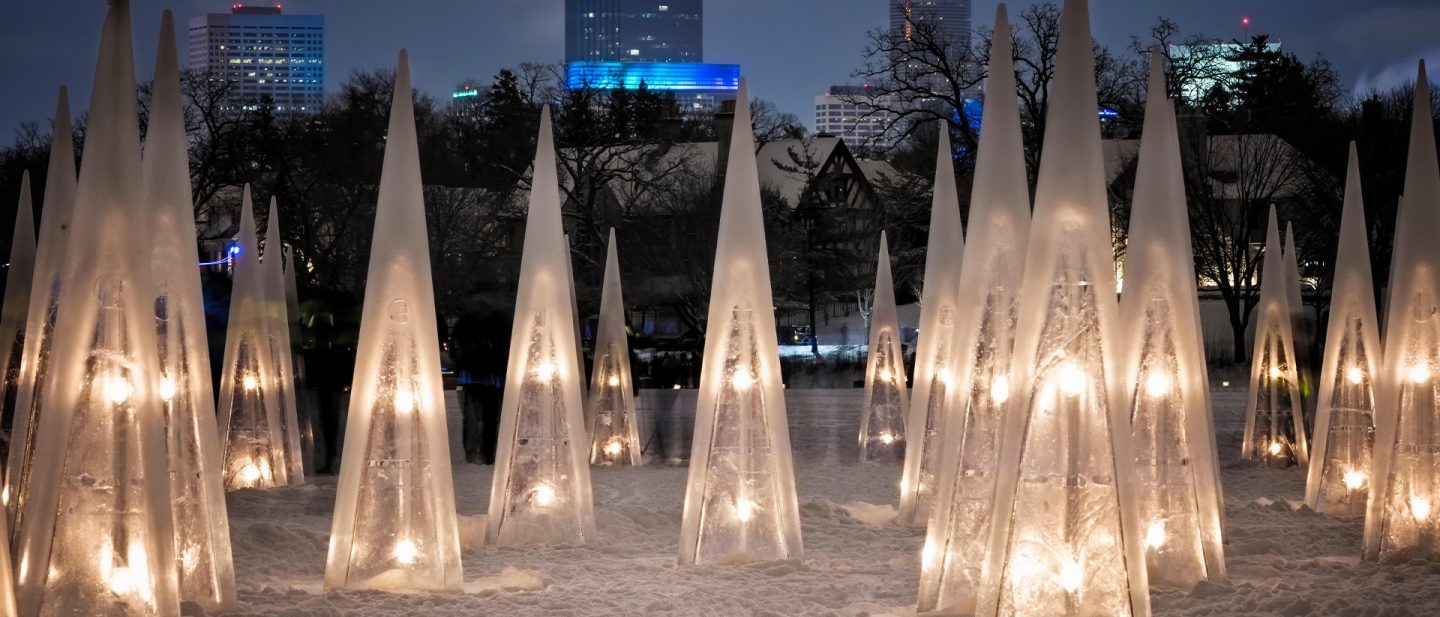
{"x": 1281, "y": 562}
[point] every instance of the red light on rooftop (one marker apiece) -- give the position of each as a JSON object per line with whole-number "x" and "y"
{"x": 1245, "y": 21}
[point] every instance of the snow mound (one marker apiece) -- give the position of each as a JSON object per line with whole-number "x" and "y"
{"x": 510, "y": 579}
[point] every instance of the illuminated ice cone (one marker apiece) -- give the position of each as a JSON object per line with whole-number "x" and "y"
{"x": 1401, "y": 515}
{"x": 34, "y": 366}
{"x": 882, "y": 420}
{"x": 1065, "y": 538}
{"x": 282, "y": 354}
{"x": 21, "y": 272}
{"x": 541, "y": 489}
{"x": 1274, "y": 418}
{"x": 614, "y": 431}
{"x": 1164, "y": 364}
{"x": 1299, "y": 324}
{"x": 1339, "y": 480}
{"x": 395, "y": 525}
{"x": 97, "y": 537}
{"x": 250, "y": 419}
{"x": 958, "y": 535}
{"x": 7, "y": 577}
{"x": 202, "y": 528}
{"x": 935, "y": 360}
{"x": 305, "y": 410}
{"x": 579, "y": 332}
{"x": 740, "y": 503}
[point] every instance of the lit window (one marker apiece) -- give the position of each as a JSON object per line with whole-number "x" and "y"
{"x": 634, "y": 52}
{"x": 664, "y": 7}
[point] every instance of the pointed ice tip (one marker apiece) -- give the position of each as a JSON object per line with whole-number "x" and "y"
{"x": 1002, "y": 17}
{"x": 884, "y": 246}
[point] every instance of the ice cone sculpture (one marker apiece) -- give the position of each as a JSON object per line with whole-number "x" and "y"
{"x": 1164, "y": 364}
{"x": 740, "y": 503}
{"x": 1338, "y": 484}
{"x": 254, "y": 435}
{"x": 1065, "y": 538}
{"x": 1274, "y": 419}
{"x": 935, "y": 358}
{"x": 282, "y": 354}
{"x": 579, "y": 332}
{"x": 1405, "y": 482}
{"x": 395, "y": 525}
{"x": 541, "y": 487}
{"x": 34, "y": 367}
{"x": 614, "y": 429}
{"x": 882, "y": 420}
{"x": 18, "y": 280}
{"x": 957, "y": 538}
{"x": 1299, "y": 325}
{"x": 202, "y": 528}
{"x": 97, "y": 537}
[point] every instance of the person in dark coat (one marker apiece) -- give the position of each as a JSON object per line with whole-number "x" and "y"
{"x": 480, "y": 347}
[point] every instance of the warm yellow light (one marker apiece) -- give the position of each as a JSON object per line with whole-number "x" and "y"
{"x": 1420, "y": 508}
{"x": 167, "y": 389}
{"x": 544, "y": 495}
{"x": 249, "y": 382}
{"x": 928, "y": 554}
{"x": 5, "y": 495}
{"x": 1355, "y": 375}
{"x": 886, "y": 375}
{"x": 677, "y": 386}
{"x": 744, "y": 510}
{"x": 1354, "y": 479}
{"x": 545, "y": 371}
{"x": 887, "y": 438}
{"x": 405, "y": 552}
{"x": 1157, "y": 384}
{"x": 250, "y": 474}
{"x": 1418, "y": 373}
{"x": 1275, "y": 448}
{"x": 613, "y": 448}
{"x": 117, "y": 389}
{"x": 1071, "y": 575}
{"x": 945, "y": 376}
{"x": 1224, "y": 384}
{"x": 613, "y": 381}
{"x": 741, "y": 380}
{"x": 1071, "y": 379}
{"x": 405, "y": 401}
{"x": 1155, "y": 535}
{"x": 1276, "y": 373}
{"x": 1000, "y": 390}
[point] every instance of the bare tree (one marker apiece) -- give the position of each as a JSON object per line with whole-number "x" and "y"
{"x": 917, "y": 77}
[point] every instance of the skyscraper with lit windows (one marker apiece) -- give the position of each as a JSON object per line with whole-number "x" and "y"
{"x": 950, "y": 17}
{"x": 634, "y": 31}
{"x": 265, "y": 54}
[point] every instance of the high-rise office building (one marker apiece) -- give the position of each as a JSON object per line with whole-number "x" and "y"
{"x": 265, "y": 54}
{"x": 634, "y": 31}
{"x": 858, "y": 117}
{"x": 950, "y": 17}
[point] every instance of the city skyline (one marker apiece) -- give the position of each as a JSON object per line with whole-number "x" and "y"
{"x": 790, "y": 52}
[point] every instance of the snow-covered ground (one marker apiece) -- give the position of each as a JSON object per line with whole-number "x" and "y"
{"x": 1281, "y": 561}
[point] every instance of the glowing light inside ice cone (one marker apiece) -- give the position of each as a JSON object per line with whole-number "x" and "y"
{"x": 744, "y": 510}
{"x": 116, "y": 389}
{"x": 1276, "y": 373}
{"x": 1071, "y": 575}
{"x": 167, "y": 388}
{"x": 1354, "y": 479}
{"x": 544, "y": 495}
{"x": 125, "y": 579}
{"x": 545, "y": 371}
{"x": 887, "y": 438}
{"x": 405, "y": 552}
{"x": 1418, "y": 373}
{"x": 613, "y": 381}
{"x": 1000, "y": 390}
{"x": 1157, "y": 384}
{"x": 945, "y": 376}
{"x": 405, "y": 400}
{"x": 1420, "y": 508}
{"x": 5, "y": 495}
{"x": 613, "y": 448}
{"x": 928, "y": 554}
{"x": 886, "y": 375}
{"x": 1355, "y": 375}
{"x": 249, "y": 382}
{"x": 1155, "y": 535}
{"x": 741, "y": 381}
{"x": 1071, "y": 379}
{"x": 1275, "y": 448}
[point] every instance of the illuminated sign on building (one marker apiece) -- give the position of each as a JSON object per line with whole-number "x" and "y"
{"x": 678, "y": 76}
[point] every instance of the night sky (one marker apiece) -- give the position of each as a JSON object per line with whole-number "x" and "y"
{"x": 790, "y": 50}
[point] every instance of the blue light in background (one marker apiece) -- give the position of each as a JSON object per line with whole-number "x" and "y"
{"x": 679, "y": 76}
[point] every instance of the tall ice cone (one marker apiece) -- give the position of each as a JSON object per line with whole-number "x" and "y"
{"x": 19, "y": 277}
{"x": 882, "y": 419}
{"x": 282, "y": 354}
{"x": 740, "y": 503}
{"x": 1274, "y": 418}
{"x": 614, "y": 428}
